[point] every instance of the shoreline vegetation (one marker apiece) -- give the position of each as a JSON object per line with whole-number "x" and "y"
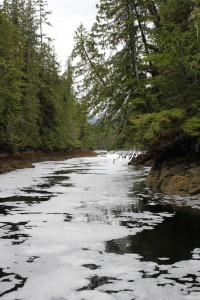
{"x": 25, "y": 159}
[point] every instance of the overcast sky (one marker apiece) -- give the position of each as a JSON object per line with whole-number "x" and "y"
{"x": 65, "y": 18}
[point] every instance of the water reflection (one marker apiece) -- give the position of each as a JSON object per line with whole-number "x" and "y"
{"x": 51, "y": 181}
{"x": 91, "y": 266}
{"x": 7, "y": 279}
{"x": 169, "y": 241}
{"x": 13, "y": 232}
{"x": 68, "y": 217}
{"x": 36, "y": 191}
{"x": 142, "y": 205}
{"x": 71, "y": 171}
{"x": 17, "y": 239}
{"x": 26, "y": 199}
{"x": 173, "y": 239}
{"x": 6, "y": 209}
{"x": 32, "y": 259}
{"x": 97, "y": 281}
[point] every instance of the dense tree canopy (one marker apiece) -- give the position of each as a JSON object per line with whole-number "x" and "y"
{"x": 38, "y": 107}
{"x": 138, "y": 70}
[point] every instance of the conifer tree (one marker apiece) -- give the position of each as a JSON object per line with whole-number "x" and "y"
{"x": 38, "y": 108}
{"x": 11, "y": 78}
{"x": 148, "y": 68}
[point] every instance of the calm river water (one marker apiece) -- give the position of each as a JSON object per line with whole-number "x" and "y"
{"x": 88, "y": 229}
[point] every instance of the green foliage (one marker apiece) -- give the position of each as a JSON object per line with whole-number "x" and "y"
{"x": 104, "y": 137}
{"x": 192, "y": 126}
{"x": 148, "y": 81}
{"x": 156, "y": 128}
{"x": 137, "y": 70}
{"x": 38, "y": 107}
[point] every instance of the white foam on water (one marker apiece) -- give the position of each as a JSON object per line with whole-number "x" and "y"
{"x": 62, "y": 240}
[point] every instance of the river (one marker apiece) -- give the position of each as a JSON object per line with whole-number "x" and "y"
{"x": 89, "y": 229}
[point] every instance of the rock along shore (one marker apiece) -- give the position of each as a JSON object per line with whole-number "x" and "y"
{"x": 178, "y": 176}
{"x": 179, "y": 179}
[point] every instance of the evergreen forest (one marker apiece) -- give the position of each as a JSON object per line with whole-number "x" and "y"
{"x": 136, "y": 73}
{"x": 38, "y": 107}
{"x": 138, "y": 70}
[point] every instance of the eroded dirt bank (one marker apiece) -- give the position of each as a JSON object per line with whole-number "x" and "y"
{"x": 10, "y": 162}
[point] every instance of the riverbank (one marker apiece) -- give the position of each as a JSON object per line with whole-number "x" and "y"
{"x": 176, "y": 176}
{"x": 12, "y": 161}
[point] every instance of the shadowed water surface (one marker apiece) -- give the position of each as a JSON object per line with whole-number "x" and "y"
{"x": 174, "y": 238}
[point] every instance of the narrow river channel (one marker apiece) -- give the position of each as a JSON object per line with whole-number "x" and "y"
{"x": 88, "y": 229}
